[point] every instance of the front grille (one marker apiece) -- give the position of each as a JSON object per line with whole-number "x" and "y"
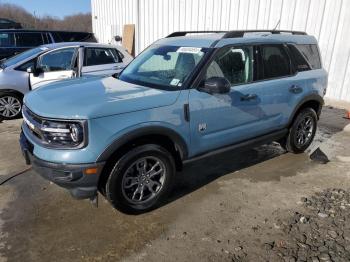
{"x": 33, "y": 122}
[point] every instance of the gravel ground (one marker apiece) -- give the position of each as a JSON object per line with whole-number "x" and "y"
{"x": 319, "y": 232}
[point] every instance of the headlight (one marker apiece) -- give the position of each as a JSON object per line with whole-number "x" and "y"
{"x": 63, "y": 134}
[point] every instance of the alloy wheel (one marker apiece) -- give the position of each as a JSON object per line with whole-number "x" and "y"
{"x": 143, "y": 180}
{"x": 304, "y": 131}
{"x": 10, "y": 106}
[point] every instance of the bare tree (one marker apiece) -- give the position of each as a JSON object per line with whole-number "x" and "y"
{"x": 78, "y": 22}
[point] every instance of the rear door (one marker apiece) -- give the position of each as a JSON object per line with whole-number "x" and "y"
{"x": 54, "y": 66}
{"x": 281, "y": 84}
{"x": 101, "y": 61}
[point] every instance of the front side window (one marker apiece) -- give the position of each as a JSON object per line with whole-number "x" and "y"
{"x": 233, "y": 63}
{"x": 59, "y": 60}
{"x": 275, "y": 61}
{"x": 166, "y": 67}
{"x": 7, "y": 40}
{"x": 28, "y": 39}
{"x": 100, "y": 56}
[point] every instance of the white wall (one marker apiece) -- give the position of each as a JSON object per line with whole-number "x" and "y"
{"x": 327, "y": 20}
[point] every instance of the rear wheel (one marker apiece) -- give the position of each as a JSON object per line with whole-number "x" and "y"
{"x": 141, "y": 179}
{"x": 10, "y": 106}
{"x": 302, "y": 131}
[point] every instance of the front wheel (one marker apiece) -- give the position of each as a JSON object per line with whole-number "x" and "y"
{"x": 10, "y": 106}
{"x": 302, "y": 132}
{"x": 141, "y": 179}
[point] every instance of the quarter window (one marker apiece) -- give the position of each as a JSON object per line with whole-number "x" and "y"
{"x": 233, "y": 63}
{"x": 60, "y": 60}
{"x": 26, "y": 65}
{"x": 100, "y": 56}
{"x": 275, "y": 61}
{"x": 312, "y": 55}
{"x": 28, "y": 39}
{"x": 298, "y": 59}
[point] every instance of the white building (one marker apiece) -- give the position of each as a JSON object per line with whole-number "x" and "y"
{"x": 327, "y": 20}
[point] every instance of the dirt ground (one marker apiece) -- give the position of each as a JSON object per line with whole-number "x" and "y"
{"x": 238, "y": 206}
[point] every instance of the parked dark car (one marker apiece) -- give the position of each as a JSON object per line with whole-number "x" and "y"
{"x": 9, "y": 24}
{"x": 13, "y": 42}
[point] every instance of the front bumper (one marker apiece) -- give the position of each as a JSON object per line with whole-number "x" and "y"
{"x": 70, "y": 176}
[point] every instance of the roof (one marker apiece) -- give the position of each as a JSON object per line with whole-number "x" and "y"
{"x": 66, "y": 44}
{"x": 214, "y": 39}
{"x": 36, "y": 30}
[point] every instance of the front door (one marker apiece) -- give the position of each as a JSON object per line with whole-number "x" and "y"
{"x": 54, "y": 66}
{"x": 249, "y": 110}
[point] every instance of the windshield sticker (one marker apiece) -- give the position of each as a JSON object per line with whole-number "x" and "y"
{"x": 174, "y": 82}
{"x": 189, "y": 50}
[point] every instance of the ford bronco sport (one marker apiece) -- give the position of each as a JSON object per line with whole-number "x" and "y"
{"x": 183, "y": 98}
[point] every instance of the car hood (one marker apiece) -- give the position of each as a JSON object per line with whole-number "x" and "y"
{"x": 95, "y": 97}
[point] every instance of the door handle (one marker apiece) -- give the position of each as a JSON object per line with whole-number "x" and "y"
{"x": 248, "y": 97}
{"x": 295, "y": 89}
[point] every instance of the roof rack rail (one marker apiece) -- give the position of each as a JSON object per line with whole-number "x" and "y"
{"x": 183, "y": 33}
{"x": 240, "y": 33}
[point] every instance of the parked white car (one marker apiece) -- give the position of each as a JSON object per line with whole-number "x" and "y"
{"x": 54, "y": 62}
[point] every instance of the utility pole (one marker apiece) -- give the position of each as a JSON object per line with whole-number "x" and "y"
{"x": 34, "y": 20}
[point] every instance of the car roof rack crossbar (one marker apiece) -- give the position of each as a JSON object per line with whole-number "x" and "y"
{"x": 240, "y": 33}
{"x": 183, "y": 33}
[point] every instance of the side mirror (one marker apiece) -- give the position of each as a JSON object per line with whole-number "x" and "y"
{"x": 117, "y": 38}
{"x": 33, "y": 70}
{"x": 30, "y": 70}
{"x": 216, "y": 85}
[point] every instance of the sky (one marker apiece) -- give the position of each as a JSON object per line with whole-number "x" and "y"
{"x": 59, "y": 8}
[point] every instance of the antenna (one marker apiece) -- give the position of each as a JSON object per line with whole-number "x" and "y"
{"x": 277, "y": 24}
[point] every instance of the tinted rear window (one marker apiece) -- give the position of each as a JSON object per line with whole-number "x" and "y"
{"x": 310, "y": 52}
{"x": 28, "y": 39}
{"x": 299, "y": 60}
{"x": 7, "y": 40}
{"x": 275, "y": 61}
{"x": 72, "y": 36}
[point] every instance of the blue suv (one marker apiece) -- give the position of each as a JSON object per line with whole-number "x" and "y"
{"x": 185, "y": 97}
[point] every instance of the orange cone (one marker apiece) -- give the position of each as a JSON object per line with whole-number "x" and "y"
{"x": 347, "y": 115}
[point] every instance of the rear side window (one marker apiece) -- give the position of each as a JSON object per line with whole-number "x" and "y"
{"x": 28, "y": 39}
{"x": 100, "y": 56}
{"x": 310, "y": 52}
{"x": 73, "y": 37}
{"x": 7, "y": 40}
{"x": 275, "y": 61}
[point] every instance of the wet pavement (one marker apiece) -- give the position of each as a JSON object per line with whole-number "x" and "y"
{"x": 219, "y": 206}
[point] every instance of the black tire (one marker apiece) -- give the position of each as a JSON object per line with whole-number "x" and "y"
{"x": 121, "y": 194}
{"x": 292, "y": 142}
{"x": 15, "y": 101}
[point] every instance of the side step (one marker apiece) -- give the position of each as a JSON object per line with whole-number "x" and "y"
{"x": 257, "y": 141}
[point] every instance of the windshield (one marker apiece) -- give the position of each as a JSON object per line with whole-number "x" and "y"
{"x": 23, "y": 56}
{"x": 165, "y": 67}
